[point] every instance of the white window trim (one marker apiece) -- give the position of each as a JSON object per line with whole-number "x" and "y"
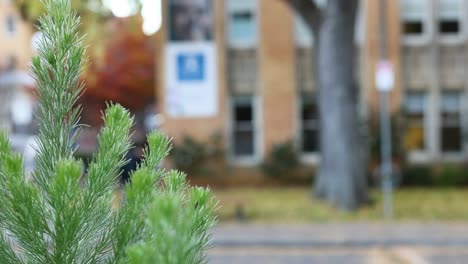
{"x": 461, "y": 36}
{"x": 256, "y": 158}
{"x": 360, "y": 23}
{"x": 301, "y": 42}
{"x": 428, "y": 27}
{"x": 310, "y": 158}
{"x": 242, "y": 44}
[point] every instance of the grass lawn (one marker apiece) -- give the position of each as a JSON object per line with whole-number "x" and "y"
{"x": 295, "y": 205}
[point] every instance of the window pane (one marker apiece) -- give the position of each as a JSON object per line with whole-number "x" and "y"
{"x": 450, "y": 15}
{"x": 310, "y": 140}
{"x": 190, "y": 20}
{"x": 11, "y": 63}
{"x": 309, "y": 123}
{"x": 450, "y": 9}
{"x": 413, "y": 10}
{"x": 415, "y": 102}
{"x": 414, "y": 136}
{"x": 10, "y": 24}
{"x": 414, "y": 14}
{"x": 413, "y": 27}
{"x": 451, "y": 139}
{"x": 243, "y": 143}
{"x": 243, "y": 133}
{"x": 449, "y": 27}
{"x": 242, "y": 22}
{"x": 302, "y": 33}
{"x": 450, "y": 102}
{"x": 243, "y": 112}
{"x": 309, "y": 108}
{"x": 451, "y": 136}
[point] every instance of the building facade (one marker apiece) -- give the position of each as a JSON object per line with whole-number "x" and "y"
{"x": 266, "y": 92}
{"x": 15, "y": 55}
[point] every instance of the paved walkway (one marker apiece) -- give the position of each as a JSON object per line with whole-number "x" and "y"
{"x": 373, "y": 243}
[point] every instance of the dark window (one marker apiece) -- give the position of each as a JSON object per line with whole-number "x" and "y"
{"x": 242, "y": 17}
{"x": 243, "y": 126}
{"x": 11, "y": 63}
{"x": 451, "y": 134}
{"x": 10, "y": 25}
{"x": 413, "y": 27}
{"x": 310, "y": 123}
{"x": 449, "y": 27}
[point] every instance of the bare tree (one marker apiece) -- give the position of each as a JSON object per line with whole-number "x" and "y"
{"x": 342, "y": 173}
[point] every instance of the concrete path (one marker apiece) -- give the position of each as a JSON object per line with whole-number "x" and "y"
{"x": 369, "y": 243}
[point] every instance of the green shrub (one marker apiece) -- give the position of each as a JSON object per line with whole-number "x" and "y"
{"x": 198, "y": 158}
{"x": 417, "y": 176}
{"x": 450, "y": 176}
{"x": 445, "y": 175}
{"x": 282, "y": 161}
{"x": 62, "y": 216}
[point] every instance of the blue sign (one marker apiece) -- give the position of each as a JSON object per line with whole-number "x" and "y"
{"x": 191, "y": 67}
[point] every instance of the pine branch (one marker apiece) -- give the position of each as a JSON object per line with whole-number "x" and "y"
{"x": 57, "y": 71}
{"x": 64, "y": 216}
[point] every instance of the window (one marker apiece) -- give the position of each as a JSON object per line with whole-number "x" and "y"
{"x": 415, "y": 109}
{"x": 10, "y": 25}
{"x": 242, "y": 71}
{"x": 359, "y": 26}
{"x": 302, "y": 33}
{"x": 242, "y": 22}
{"x": 415, "y": 15}
{"x": 450, "y": 14}
{"x": 451, "y": 134}
{"x": 243, "y": 126}
{"x": 11, "y": 63}
{"x": 309, "y": 123}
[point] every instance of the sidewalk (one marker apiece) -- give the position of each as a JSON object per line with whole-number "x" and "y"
{"x": 360, "y": 243}
{"x": 342, "y": 235}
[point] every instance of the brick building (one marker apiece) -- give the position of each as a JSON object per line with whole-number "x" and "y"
{"x": 266, "y": 92}
{"x": 15, "y": 55}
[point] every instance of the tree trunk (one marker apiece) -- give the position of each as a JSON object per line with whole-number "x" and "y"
{"x": 342, "y": 173}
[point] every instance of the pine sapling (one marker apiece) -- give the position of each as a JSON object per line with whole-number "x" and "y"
{"x": 65, "y": 215}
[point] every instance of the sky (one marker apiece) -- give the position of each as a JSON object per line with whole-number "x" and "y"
{"x": 151, "y": 12}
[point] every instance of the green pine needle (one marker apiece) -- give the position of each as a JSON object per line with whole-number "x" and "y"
{"x": 64, "y": 214}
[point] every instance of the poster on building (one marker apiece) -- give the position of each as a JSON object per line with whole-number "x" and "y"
{"x": 191, "y": 79}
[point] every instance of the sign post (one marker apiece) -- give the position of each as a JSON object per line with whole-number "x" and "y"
{"x": 385, "y": 79}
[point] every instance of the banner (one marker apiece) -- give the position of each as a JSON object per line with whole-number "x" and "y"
{"x": 191, "y": 76}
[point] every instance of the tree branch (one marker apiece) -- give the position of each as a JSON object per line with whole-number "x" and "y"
{"x": 308, "y": 10}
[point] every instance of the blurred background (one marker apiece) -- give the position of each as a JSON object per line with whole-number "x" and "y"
{"x": 277, "y": 105}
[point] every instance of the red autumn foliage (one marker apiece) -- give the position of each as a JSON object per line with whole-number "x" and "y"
{"x": 125, "y": 74}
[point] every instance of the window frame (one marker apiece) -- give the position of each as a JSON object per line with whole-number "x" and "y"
{"x": 461, "y": 35}
{"x": 242, "y": 44}
{"x": 307, "y": 157}
{"x": 461, "y": 97}
{"x": 428, "y": 27}
{"x": 420, "y": 154}
{"x": 244, "y": 160}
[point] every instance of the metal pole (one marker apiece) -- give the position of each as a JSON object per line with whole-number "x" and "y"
{"x": 386, "y": 154}
{"x": 385, "y": 124}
